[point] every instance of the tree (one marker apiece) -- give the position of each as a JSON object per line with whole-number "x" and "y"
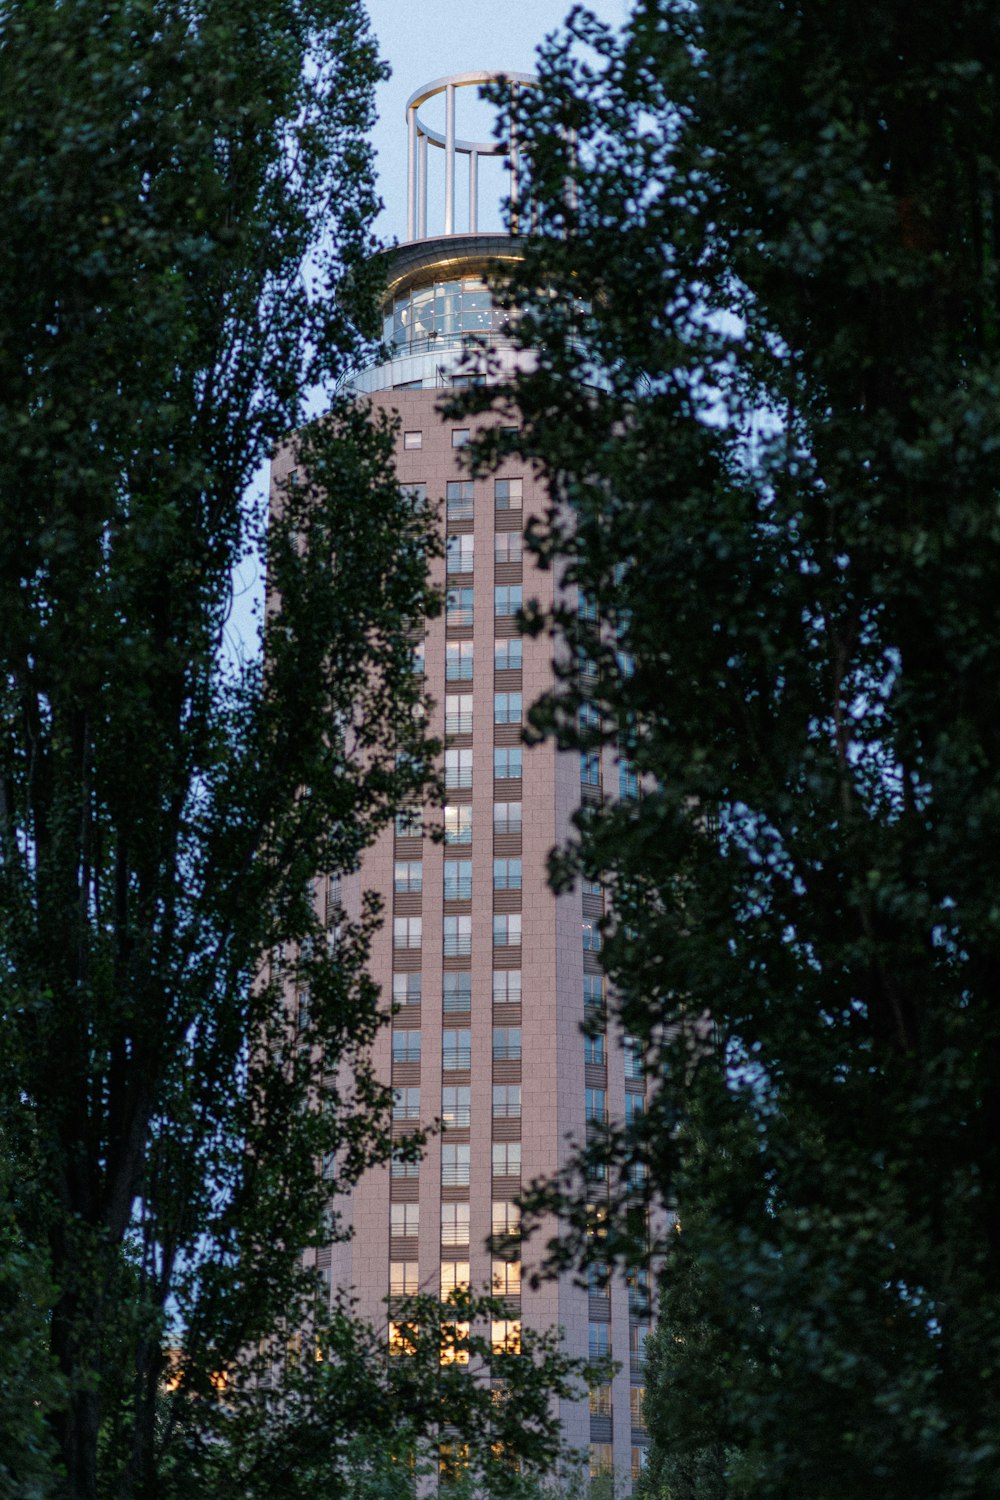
{"x": 184, "y": 192}
{"x": 767, "y": 248}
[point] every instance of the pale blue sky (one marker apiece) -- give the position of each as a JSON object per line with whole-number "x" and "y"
{"x": 425, "y": 39}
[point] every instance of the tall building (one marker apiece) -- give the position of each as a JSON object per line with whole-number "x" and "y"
{"x": 491, "y": 974}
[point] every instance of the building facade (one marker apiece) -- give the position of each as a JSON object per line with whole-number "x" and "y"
{"x": 491, "y": 975}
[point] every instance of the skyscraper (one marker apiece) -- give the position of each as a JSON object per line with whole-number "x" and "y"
{"x": 490, "y": 973}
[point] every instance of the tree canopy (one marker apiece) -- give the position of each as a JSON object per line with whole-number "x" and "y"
{"x": 766, "y": 399}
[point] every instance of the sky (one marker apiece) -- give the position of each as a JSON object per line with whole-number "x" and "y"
{"x": 426, "y": 39}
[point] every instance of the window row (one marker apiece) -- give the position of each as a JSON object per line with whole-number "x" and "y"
{"x": 505, "y": 1222}
{"x": 404, "y": 1278}
{"x": 459, "y": 602}
{"x": 456, "y": 1046}
{"x": 460, "y": 549}
{"x": 458, "y": 821}
{"x": 407, "y": 932}
{"x": 407, "y": 989}
{"x": 508, "y": 494}
{"x": 458, "y": 710}
{"x": 507, "y": 766}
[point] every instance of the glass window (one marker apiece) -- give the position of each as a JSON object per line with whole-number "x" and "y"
{"x": 507, "y": 763}
{"x": 505, "y": 1335}
{"x": 600, "y": 1401}
{"x": 633, "y": 1058}
{"x": 404, "y": 1278}
{"x": 590, "y": 768}
{"x": 402, "y": 1167}
{"x": 417, "y": 658}
{"x": 506, "y": 1101}
{"x": 458, "y": 661}
{"x": 506, "y": 817}
{"x": 459, "y": 498}
{"x": 406, "y": 1105}
{"x": 506, "y": 874}
{"x": 456, "y": 1108}
{"x": 586, "y": 605}
{"x": 454, "y": 1223}
{"x": 507, "y": 547}
{"x": 506, "y": 1043}
{"x": 459, "y": 437}
{"x": 506, "y": 708}
{"x": 635, "y": 1108}
{"x": 637, "y": 1335}
{"x": 593, "y": 993}
{"x": 508, "y": 494}
{"x": 594, "y": 1049}
{"x": 457, "y": 936}
{"x": 506, "y": 1158}
{"x": 591, "y": 936}
{"x": 507, "y": 655}
{"x": 457, "y": 993}
{"x": 404, "y": 1220}
{"x": 506, "y": 599}
{"x": 454, "y": 1276}
{"x": 413, "y": 440}
{"x": 507, "y": 987}
{"x": 457, "y": 768}
{"x": 628, "y": 781}
{"x": 600, "y": 1460}
{"x": 406, "y": 1046}
{"x": 458, "y": 824}
{"x": 409, "y": 823}
{"x": 460, "y": 553}
{"x": 455, "y": 1165}
{"x": 507, "y": 929}
{"x": 406, "y": 989}
{"x": 595, "y": 1105}
{"x": 458, "y": 608}
{"x": 406, "y": 932}
{"x": 458, "y": 879}
{"x": 456, "y": 1050}
{"x": 598, "y": 1341}
{"x": 506, "y": 1278}
{"x": 458, "y": 713}
{"x": 408, "y": 876}
{"x": 506, "y": 1219}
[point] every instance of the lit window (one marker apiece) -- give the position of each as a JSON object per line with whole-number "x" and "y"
{"x": 406, "y": 989}
{"x": 458, "y": 713}
{"x": 404, "y": 1278}
{"x": 506, "y": 1101}
{"x": 406, "y": 1046}
{"x": 600, "y": 1401}
{"x": 506, "y": 1043}
{"x": 507, "y": 547}
{"x": 454, "y": 1343}
{"x": 505, "y": 1223}
{"x": 404, "y": 1220}
{"x": 458, "y": 661}
{"x": 401, "y": 1339}
{"x": 456, "y": 1108}
{"x": 457, "y": 993}
{"x": 454, "y": 1276}
{"x": 506, "y": 600}
{"x": 593, "y": 1049}
{"x": 507, "y": 929}
{"x": 506, "y": 1158}
{"x": 507, "y": 987}
{"x": 507, "y": 708}
{"x": 508, "y": 494}
{"x": 506, "y": 874}
{"x": 454, "y": 1223}
{"x": 460, "y": 553}
{"x": 600, "y": 1460}
{"x": 458, "y": 879}
{"x": 457, "y": 768}
{"x": 456, "y": 1050}
{"x": 506, "y": 817}
{"x": 406, "y": 932}
{"x": 408, "y": 876}
{"x": 508, "y": 656}
{"x": 455, "y": 1165}
{"x": 459, "y": 437}
{"x": 505, "y": 1335}
{"x": 507, "y": 763}
{"x": 458, "y": 608}
{"x": 507, "y": 1278}
{"x": 458, "y": 824}
{"x": 457, "y": 936}
{"x": 459, "y": 497}
{"x": 406, "y": 1106}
